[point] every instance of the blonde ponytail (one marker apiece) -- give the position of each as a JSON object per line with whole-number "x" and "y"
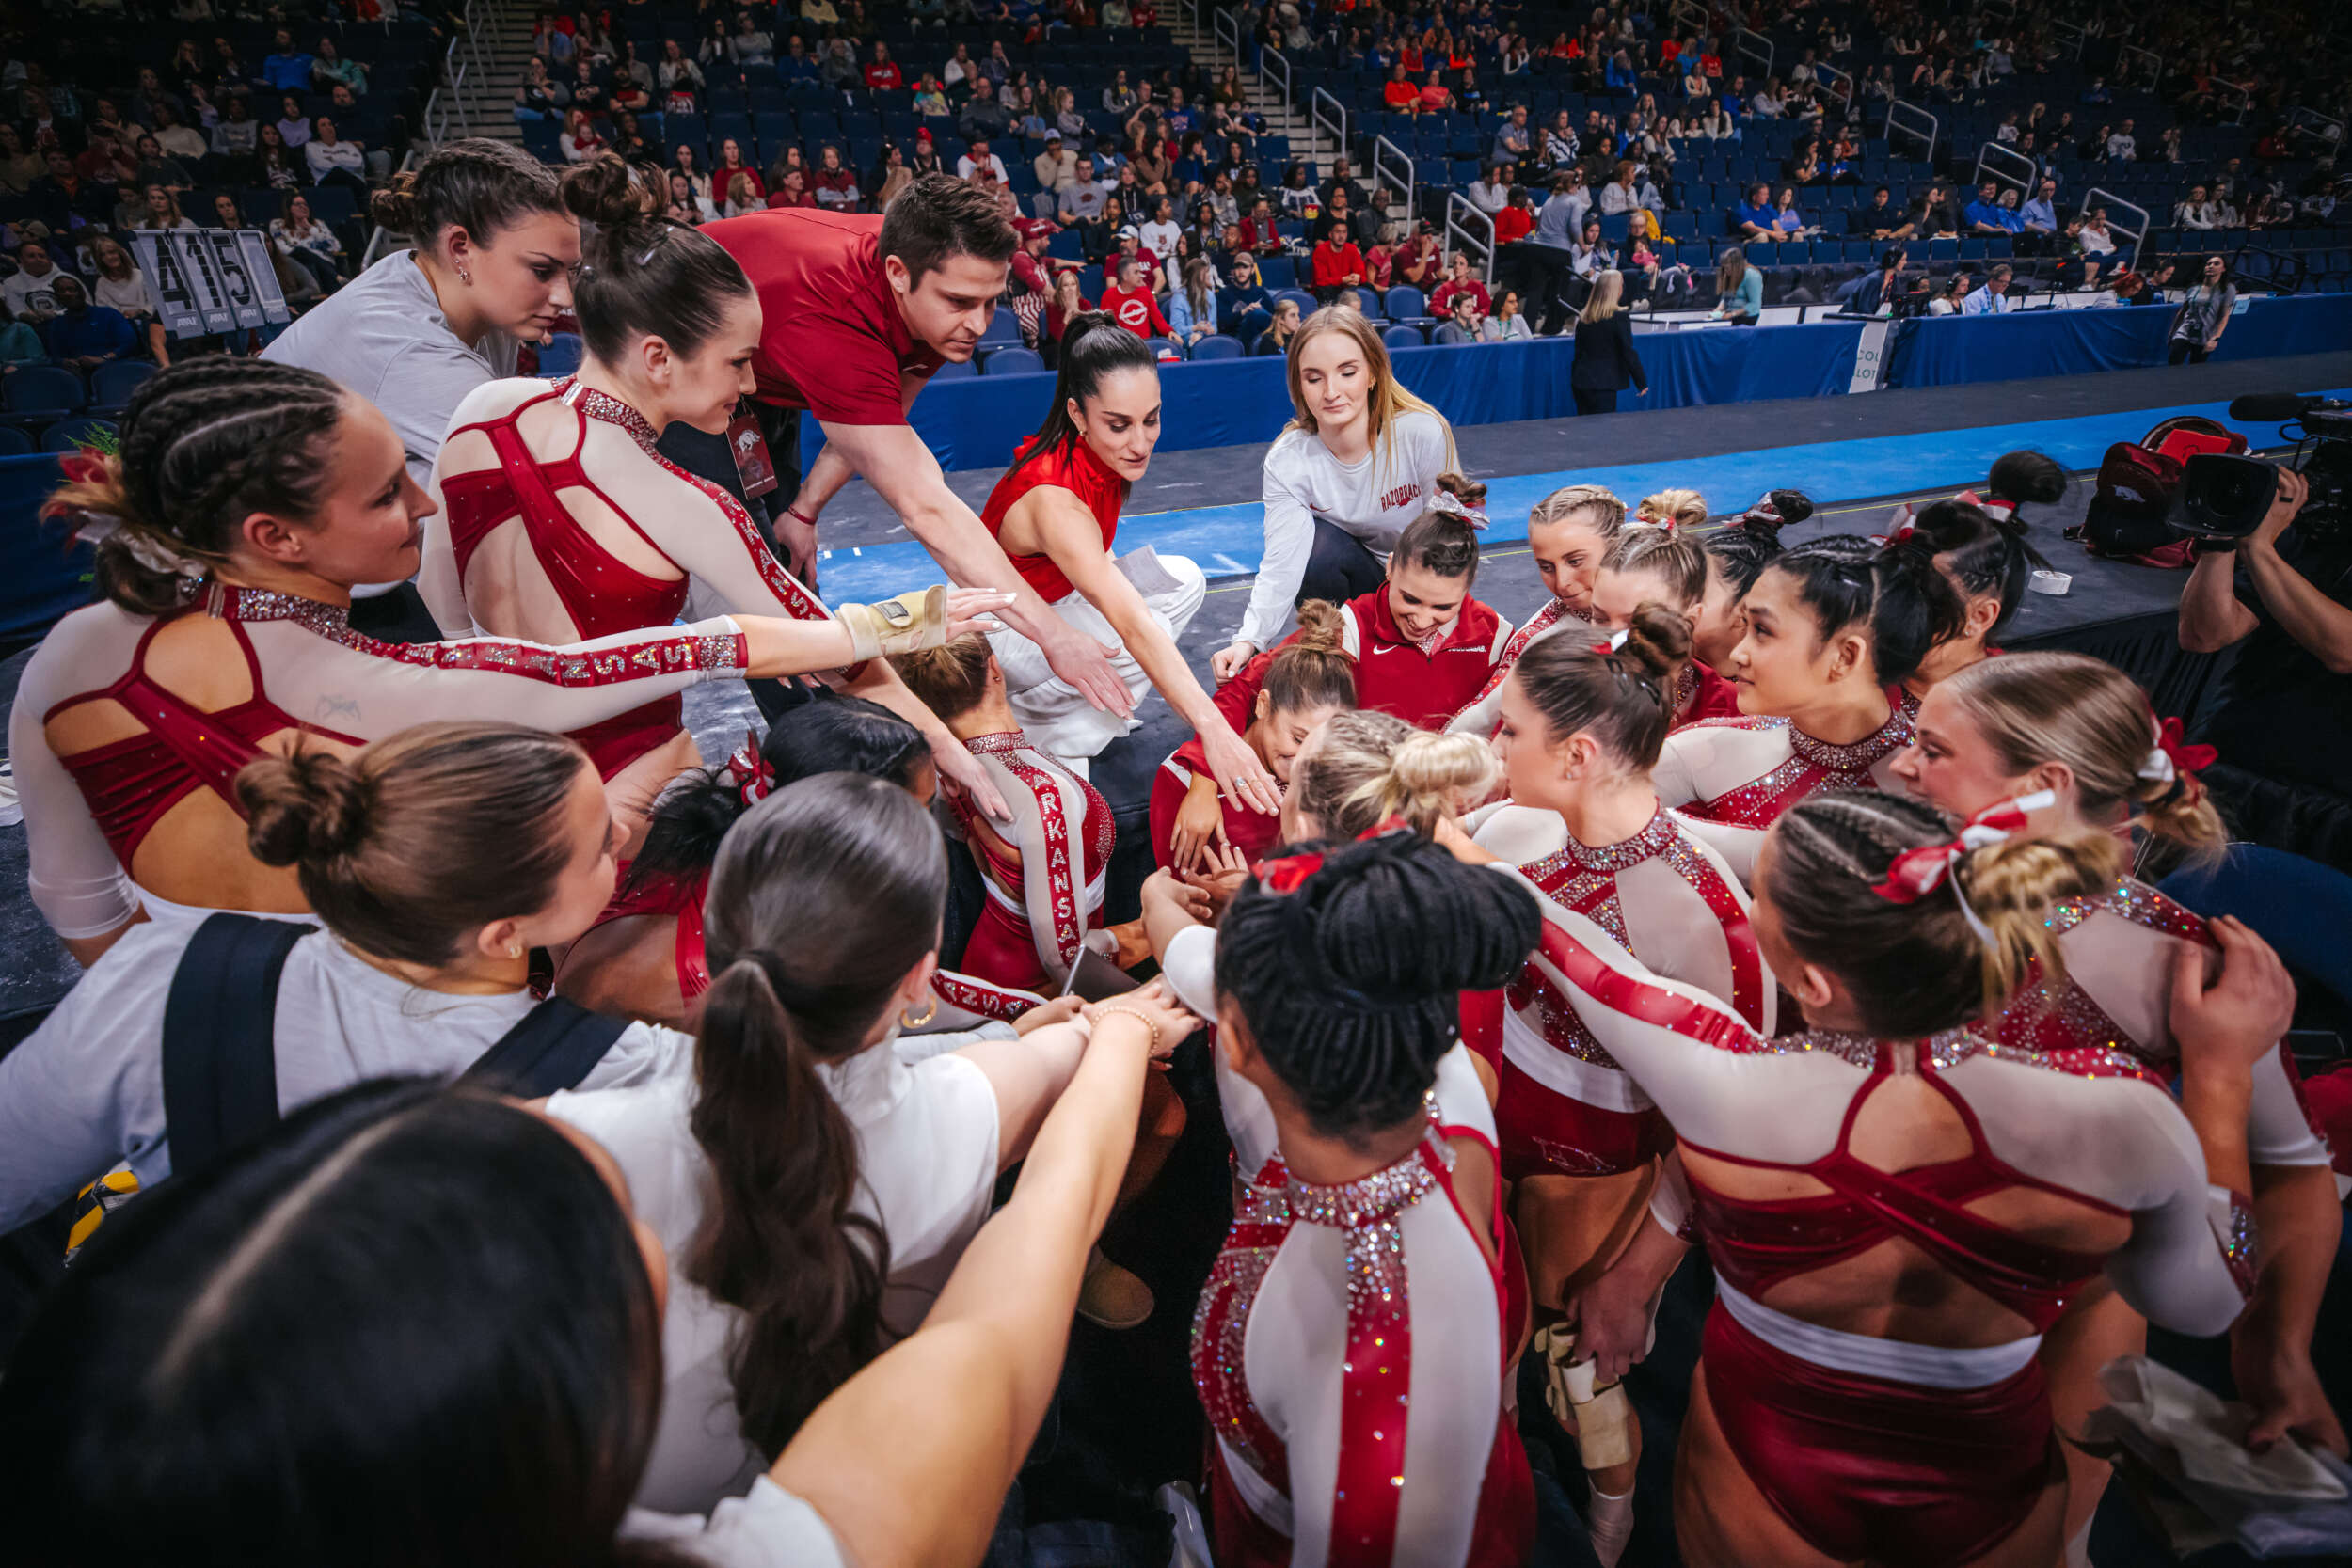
{"x": 2009, "y": 887}
{"x": 1369, "y": 767}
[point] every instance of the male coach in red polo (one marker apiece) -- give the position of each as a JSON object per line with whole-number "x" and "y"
{"x": 859, "y": 311}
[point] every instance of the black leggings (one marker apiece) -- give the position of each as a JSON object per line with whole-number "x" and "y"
{"x": 2189, "y": 349}
{"x": 1595, "y": 402}
{"x": 1339, "y": 568}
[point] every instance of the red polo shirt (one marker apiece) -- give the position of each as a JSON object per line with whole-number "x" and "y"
{"x": 832, "y": 340}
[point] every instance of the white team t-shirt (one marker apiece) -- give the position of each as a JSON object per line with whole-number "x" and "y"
{"x": 927, "y": 1142}
{"x": 1376, "y": 499}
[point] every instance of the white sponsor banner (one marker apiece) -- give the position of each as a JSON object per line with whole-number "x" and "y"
{"x": 1870, "y": 356}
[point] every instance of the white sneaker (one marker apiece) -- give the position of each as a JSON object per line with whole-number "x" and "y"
{"x": 11, "y": 812}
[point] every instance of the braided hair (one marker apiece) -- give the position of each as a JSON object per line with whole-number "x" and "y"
{"x": 1985, "y": 552}
{"x": 1916, "y": 969}
{"x": 1350, "y": 981}
{"x": 642, "y": 275}
{"x": 1893, "y": 591}
{"x": 204, "y": 445}
{"x": 1624, "y": 696}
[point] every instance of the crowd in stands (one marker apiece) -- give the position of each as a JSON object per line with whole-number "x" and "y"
{"x": 279, "y": 120}
{"x": 486, "y": 1130}
{"x": 1767, "y": 135}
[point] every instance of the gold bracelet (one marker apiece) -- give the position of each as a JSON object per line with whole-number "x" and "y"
{"x": 1145, "y": 1020}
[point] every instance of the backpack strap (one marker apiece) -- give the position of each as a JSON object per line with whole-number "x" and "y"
{"x": 556, "y": 1044}
{"x": 220, "y": 1027}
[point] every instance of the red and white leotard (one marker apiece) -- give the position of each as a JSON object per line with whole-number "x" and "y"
{"x": 2117, "y": 996}
{"x": 1699, "y": 693}
{"x": 89, "y": 814}
{"x": 690, "y": 538}
{"x": 1039, "y": 906}
{"x": 1479, "y": 715}
{"x": 1292, "y": 1403}
{"x": 963, "y": 1001}
{"x": 1876, "y": 1448}
{"x": 1566, "y": 1107}
{"x": 1423, "y": 683}
{"x": 1734, "y": 777}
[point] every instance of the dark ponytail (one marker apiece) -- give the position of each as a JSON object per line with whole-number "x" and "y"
{"x": 831, "y": 734}
{"x": 1893, "y": 591}
{"x": 823, "y": 896}
{"x": 1094, "y": 347}
{"x": 203, "y": 446}
{"x": 1985, "y": 552}
{"x": 1739, "y": 552}
{"x": 1625, "y": 698}
{"x": 1350, "y": 983}
{"x": 1445, "y": 542}
{"x": 2027, "y": 478}
{"x": 642, "y": 275}
{"x": 473, "y": 183}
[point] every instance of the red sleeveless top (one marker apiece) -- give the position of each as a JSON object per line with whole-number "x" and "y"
{"x": 1070, "y": 467}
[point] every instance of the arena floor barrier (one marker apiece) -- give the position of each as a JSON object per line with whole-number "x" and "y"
{"x": 976, "y": 421}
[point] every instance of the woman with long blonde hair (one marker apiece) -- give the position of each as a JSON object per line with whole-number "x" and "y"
{"x": 1353, "y": 469}
{"x": 1606, "y": 359}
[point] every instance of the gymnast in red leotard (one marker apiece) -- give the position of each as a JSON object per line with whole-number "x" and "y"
{"x": 561, "y": 519}
{"x": 1580, "y": 727}
{"x": 2081, "y": 731}
{"x": 1044, "y": 870}
{"x": 1898, "y": 1205}
{"x": 1831, "y": 625}
{"x": 248, "y": 498}
{"x": 644, "y": 957}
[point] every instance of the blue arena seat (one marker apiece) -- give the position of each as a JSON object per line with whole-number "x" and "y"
{"x": 1305, "y": 301}
{"x": 1013, "y": 361}
{"x": 955, "y": 370}
{"x": 111, "y": 386}
{"x": 43, "y": 392}
{"x": 1403, "y": 337}
{"x": 15, "y": 442}
{"x": 1219, "y": 347}
{"x": 73, "y": 434}
{"x": 562, "y": 356}
{"x": 1407, "y": 303}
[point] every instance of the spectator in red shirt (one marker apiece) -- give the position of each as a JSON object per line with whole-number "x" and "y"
{"x": 1459, "y": 281}
{"x": 1257, "y": 233}
{"x": 1399, "y": 94}
{"x": 857, "y": 312}
{"x": 1127, "y": 301}
{"x": 792, "y": 191}
{"x": 1435, "y": 95}
{"x": 1515, "y": 222}
{"x": 882, "y": 72}
{"x": 1339, "y": 265}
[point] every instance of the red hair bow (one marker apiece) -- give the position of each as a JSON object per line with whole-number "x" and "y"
{"x": 1898, "y": 536}
{"x": 1286, "y": 874}
{"x": 1915, "y": 873}
{"x": 2174, "y": 756}
{"x": 758, "y": 775}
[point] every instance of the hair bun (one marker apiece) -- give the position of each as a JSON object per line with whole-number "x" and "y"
{"x": 394, "y": 207}
{"x": 1657, "y": 642}
{"x": 605, "y": 191}
{"x": 1470, "y": 492}
{"x": 2028, "y": 476}
{"x": 307, "y": 807}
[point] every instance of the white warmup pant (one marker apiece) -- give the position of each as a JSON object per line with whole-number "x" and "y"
{"x": 1057, "y": 717}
